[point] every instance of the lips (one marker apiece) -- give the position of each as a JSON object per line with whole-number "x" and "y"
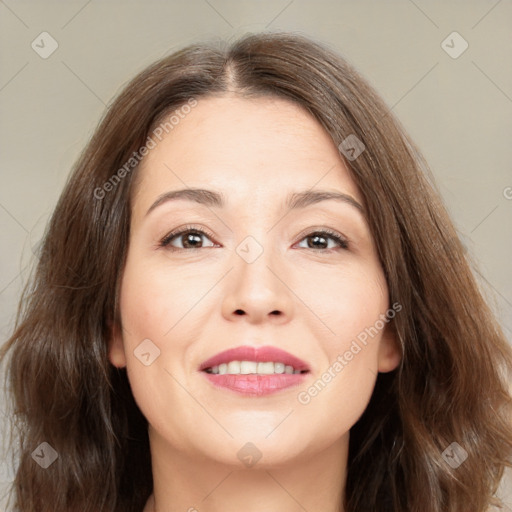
{"x": 251, "y": 384}
{"x": 257, "y": 354}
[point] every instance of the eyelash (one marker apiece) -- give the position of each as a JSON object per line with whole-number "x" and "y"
{"x": 341, "y": 241}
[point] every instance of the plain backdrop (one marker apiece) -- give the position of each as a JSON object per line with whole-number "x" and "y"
{"x": 455, "y": 101}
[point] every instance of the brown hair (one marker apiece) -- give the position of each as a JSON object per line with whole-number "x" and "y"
{"x": 451, "y": 385}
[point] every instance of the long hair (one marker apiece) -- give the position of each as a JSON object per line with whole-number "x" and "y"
{"x": 450, "y": 387}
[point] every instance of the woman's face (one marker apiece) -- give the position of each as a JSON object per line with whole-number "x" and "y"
{"x": 261, "y": 276}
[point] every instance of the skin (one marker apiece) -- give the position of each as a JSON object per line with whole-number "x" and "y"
{"x": 255, "y": 152}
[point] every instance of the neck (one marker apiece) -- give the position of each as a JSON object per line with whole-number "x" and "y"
{"x": 311, "y": 481}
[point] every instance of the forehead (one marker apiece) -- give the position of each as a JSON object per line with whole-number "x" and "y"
{"x": 259, "y": 148}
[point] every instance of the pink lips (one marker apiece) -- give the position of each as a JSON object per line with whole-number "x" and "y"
{"x": 252, "y": 384}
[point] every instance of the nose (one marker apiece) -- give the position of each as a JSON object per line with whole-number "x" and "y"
{"x": 257, "y": 292}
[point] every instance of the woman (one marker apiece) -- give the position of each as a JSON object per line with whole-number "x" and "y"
{"x": 250, "y": 297}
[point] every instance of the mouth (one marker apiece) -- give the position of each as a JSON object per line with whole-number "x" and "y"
{"x": 254, "y": 371}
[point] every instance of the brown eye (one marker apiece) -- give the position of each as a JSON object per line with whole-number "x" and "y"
{"x": 186, "y": 238}
{"x": 320, "y": 240}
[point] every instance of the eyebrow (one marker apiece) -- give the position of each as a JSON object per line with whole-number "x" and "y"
{"x": 294, "y": 201}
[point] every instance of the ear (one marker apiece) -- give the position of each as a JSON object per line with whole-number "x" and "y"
{"x": 390, "y": 351}
{"x": 116, "y": 354}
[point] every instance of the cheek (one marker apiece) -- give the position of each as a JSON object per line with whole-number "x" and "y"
{"x": 154, "y": 299}
{"x": 146, "y": 305}
{"x": 347, "y": 298}
{"x": 159, "y": 319}
{"x": 350, "y": 303}
{"x": 336, "y": 399}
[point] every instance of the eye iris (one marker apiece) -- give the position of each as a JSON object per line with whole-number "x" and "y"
{"x": 315, "y": 239}
{"x": 191, "y": 237}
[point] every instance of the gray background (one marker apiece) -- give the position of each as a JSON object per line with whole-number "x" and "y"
{"x": 458, "y": 110}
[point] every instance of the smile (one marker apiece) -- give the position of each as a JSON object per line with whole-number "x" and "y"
{"x": 254, "y": 371}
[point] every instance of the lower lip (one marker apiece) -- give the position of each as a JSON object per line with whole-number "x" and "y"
{"x": 256, "y": 385}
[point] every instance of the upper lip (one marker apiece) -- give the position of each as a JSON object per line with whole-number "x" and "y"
{"x": 258, "y": 354}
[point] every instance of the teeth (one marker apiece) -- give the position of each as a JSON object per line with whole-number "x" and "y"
{"x": 279, "y": 367}
{"x": 266, "y": 368}
{"x": 233, "y": 367}
{"x": 247, "y": 367}
{"x": 252, "y": 367}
